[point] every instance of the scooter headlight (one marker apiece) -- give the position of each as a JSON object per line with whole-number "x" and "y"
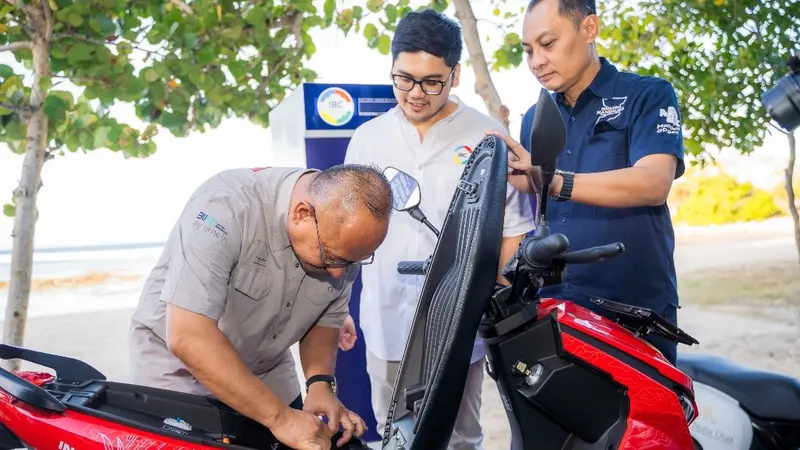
{"x": 689, "y": 411}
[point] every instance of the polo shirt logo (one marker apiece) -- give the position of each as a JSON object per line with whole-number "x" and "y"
{"x": 461, "y": 154}
{"x": 612, "y": 108}
{"x": 673, "y": 123}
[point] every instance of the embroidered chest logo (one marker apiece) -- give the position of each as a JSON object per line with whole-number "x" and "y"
{"x": 673, "y": 122}
{"x": 612, "y": 108}
{"x": 461, "y": 154}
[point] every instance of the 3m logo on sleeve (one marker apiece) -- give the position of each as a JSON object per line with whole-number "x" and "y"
{"x": 210, "y": 225}
{"x": 673, "y": 123}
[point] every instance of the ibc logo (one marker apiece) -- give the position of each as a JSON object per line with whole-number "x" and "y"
{"x": 335, "y": 106}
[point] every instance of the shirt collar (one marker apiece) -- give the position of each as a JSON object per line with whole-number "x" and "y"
{"x": 605, "y": 81}
{"x": 280, "y": 213}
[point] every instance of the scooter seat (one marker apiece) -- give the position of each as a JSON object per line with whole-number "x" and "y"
{"x": 763, "y": 394}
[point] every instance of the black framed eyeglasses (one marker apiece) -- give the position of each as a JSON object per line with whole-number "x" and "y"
{"x": 331, "y": 262}
{"x": 430, "y": 87}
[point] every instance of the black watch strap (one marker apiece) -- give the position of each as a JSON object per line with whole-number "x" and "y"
{"x": 330, "y": 379}
{"x": 566, "y": 186}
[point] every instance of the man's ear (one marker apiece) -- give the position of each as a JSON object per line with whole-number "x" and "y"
{"x": 457, "y": 76}
{"x": 590, "y": 28}
{"x": 300, "y": 212}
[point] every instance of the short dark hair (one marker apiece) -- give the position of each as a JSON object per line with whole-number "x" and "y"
{"x": 577, "y": 10}
{"x": 431, "y": 32}
{"x": 350, "y": 186}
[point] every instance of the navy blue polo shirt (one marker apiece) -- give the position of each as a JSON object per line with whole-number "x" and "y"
{"x": 621, "y": 118}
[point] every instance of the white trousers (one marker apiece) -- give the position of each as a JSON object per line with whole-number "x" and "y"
{"x": 467, "y": 434}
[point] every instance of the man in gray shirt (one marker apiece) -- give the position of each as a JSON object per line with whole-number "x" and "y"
{"x": 261, "y": 259}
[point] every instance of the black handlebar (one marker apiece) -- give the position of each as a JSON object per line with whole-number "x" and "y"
{"x": 593, "y": 254}
{"x": 538, "y": 253}
{"x": 412, "y": 267}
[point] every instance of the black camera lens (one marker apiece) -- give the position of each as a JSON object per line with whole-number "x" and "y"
{"x": 782, "y": 102}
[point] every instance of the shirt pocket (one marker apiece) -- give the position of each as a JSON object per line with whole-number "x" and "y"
{"x": 322, "y": 294}
{"x": 606, "y": 148}
{"x": 252, "y": 284}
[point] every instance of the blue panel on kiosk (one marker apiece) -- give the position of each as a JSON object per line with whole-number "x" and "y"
{"x": 330, "y": 107}
{"x": 345, "y": 106}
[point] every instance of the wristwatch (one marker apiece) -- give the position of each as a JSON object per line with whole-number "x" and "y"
{"x": 330, "y": 379}
{"x": 566, "y": 186}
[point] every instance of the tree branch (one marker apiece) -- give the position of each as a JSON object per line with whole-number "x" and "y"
{"x": 90, "y": 40}
{"x": 182, "y": 6}
{"x": 24, "y": 109}
{"x": 19, "y": 45}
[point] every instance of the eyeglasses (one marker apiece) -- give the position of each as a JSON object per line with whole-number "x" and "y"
{"x": 430, "y": 87}
{"x": 330, "y": 262}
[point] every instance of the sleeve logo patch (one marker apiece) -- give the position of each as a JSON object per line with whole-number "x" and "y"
{"x": 673, "y": 123}
{"x": 210, "y": 226}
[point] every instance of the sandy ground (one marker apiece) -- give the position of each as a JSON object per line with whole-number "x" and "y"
{"x": 759, "y": 337}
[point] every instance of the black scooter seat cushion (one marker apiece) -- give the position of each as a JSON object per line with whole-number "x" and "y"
{"x": 763, "y": 394}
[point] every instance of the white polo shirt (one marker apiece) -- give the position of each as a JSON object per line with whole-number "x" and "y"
{"x": 389, "y": 299}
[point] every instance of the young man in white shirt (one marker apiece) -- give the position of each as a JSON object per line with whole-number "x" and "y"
{"x": 429, "y": 135}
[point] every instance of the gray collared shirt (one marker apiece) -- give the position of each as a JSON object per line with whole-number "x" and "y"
{"x": 229, "y": 258}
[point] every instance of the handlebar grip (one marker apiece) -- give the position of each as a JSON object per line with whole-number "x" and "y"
{"x": 539, "y": 253}
{"x": 594, "y": 254}
{"x": 412, "y": 267}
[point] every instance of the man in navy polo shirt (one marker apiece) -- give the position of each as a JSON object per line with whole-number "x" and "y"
{"x": 624, "y": 148}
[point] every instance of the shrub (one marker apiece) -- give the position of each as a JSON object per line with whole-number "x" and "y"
{"x": 720, "y": 199}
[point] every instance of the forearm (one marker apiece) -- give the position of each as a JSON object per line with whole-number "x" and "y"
{"x": 623, "y": 188}
{"x": 212, "y": 359}
{"x": 318, "y": 351}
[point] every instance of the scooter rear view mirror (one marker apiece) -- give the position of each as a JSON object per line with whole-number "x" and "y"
{"x": 405, "y": 189}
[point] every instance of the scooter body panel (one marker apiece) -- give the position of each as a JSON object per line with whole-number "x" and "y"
{"x": 722, "y": 423}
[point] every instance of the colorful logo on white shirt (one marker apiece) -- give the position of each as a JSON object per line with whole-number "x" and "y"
{"x": 335, "y": 106}
{"x": 462, "y": 154}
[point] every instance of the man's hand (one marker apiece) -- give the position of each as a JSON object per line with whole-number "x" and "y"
{"x": 521, "y": 174}
{"x": 320, "y": 401}
{"x": 301, "y": 430}
{"x": 347, "y": 334}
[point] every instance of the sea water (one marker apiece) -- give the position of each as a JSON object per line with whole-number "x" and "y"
{"x": 132, "y": 261}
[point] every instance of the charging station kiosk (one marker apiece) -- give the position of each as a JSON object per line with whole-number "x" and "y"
{"x": 312, "y": 128}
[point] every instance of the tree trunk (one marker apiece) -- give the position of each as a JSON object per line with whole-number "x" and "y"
{"x": 26, "y": 213}
{"x": 483, "y": 79}
{"x": 790, "y": 190}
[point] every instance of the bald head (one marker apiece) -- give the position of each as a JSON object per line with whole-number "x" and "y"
{"x": 339, "y": 217}
{"x": 349, "y": 189}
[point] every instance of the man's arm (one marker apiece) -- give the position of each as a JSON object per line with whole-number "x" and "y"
{"x": 656, "y": 154}
{"x": 197, "y": 341}
{"x": 206, "y": 246}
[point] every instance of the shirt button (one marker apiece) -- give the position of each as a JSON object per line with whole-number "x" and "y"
{"x": 274, "y": 336}
{"x": 572, "y": 119}
{"x": 566, "y": 285}
{"x": 288, "y": 304}
{"x": 569, "y": 152}
{"x": 563, "y": 220}
{"x": 297, "y": 264}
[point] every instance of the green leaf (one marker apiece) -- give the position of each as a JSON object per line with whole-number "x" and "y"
{"x": 384, "y": 44}
{"x": 55, "y": 107}
{"x": 374, "y": 5}
{"x": 370, "y": 31}
{"x": 101, "y": 137}
{"x": 75, "y": 19}
{"x": 80, "y": 52}
{"x": 9, "y": 210}
{"x": 391, "y": 14}
{"x": 150, "y": 75}
{"x": 6, "y": 71}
